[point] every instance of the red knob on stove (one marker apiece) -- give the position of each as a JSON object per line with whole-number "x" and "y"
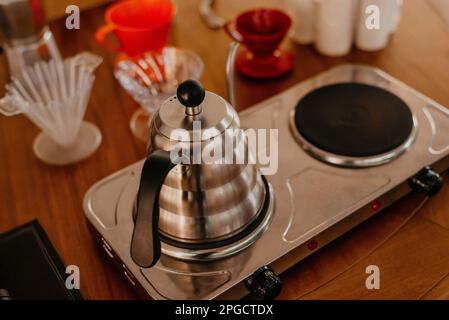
{"x": 312, "y": 245}
{"x": 376, "y": 205}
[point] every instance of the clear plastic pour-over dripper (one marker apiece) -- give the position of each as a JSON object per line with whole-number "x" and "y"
{"x": 153, "y": 77}
{"x": 54, "y": 96}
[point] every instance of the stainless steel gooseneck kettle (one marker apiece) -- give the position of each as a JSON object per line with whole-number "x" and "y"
{"x": 194, "y": 202}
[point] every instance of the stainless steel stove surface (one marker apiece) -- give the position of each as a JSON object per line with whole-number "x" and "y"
{"x": 313, "y": 201}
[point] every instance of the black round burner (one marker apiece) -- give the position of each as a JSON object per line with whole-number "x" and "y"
{"x": 353, "y": 120}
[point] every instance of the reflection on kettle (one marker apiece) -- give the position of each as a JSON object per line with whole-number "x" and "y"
{"x": 196, "y": 280}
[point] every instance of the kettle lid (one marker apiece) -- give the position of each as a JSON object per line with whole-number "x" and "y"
{"x": 196, "y": 113}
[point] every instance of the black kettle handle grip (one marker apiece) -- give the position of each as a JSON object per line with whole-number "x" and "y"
{"x": 145, "y": 243}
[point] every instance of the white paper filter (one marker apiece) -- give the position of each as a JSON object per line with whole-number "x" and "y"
{"x": 376, "y": 39}
{"x": 335, "y": 21}
{"x": 303, "y": 15}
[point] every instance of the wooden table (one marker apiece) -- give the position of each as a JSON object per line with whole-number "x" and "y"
{"x": 414, "y": 261}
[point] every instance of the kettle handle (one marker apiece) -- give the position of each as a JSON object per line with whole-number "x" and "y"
{"x": 230, "y": 72}
{"x": 145, "y": 243}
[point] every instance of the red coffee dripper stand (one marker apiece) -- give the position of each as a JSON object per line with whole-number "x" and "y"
{"x": 261, "y": 31}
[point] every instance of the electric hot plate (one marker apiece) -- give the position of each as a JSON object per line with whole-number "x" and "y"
{"x": 351, "y": 141}
{"x": 353, "y": 124}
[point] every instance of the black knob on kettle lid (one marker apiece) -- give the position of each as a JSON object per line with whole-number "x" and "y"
{"x": 190, "y": 93}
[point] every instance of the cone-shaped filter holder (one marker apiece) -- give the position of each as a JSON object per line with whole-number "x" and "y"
{"x": 153, "y": 77}
{"x": 54, "y": 96}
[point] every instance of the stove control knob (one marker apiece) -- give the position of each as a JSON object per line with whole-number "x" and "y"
{"x": 427, "y": 181}
{"x": 264, "y": 283}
